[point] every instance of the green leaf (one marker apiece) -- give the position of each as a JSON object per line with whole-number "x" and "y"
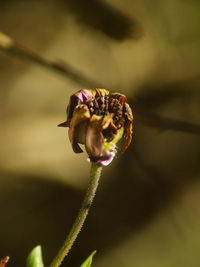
{"x": 88, "y": 261}
{"x": 35, "y": 258}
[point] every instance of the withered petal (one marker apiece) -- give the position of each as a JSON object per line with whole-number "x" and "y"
{"x": 94, "y": 139}
{"x": 128, "y": 127}
{"x": 128, "y": 135}
{"x": 73, "y": 102}
{"x": 64, "y": 124}
{"x": 101, "y": 92}
{"x": 76, "y": 148}
{"x": 128, "y": 112}
{"x": 80, "y": 115}
{"x": 84, "y": 94}
{"x": 77, "y": 99}
{"x": 120, "y": 97}
{"x": 104, "y": 160}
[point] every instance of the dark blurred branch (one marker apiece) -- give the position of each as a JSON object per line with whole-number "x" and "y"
{"x": 146, "y": 116}
{"x": 105, "y": 18}
{"x": 10, "y": 46}
{"x": 153, "y": 120}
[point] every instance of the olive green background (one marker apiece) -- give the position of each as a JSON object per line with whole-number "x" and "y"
{"x": 146, "y": 211}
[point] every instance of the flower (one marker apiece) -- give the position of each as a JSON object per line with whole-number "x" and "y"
{"x": 98, "y": 120}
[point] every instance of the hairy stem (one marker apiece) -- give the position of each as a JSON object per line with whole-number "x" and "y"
{"x": 80, "y": 219}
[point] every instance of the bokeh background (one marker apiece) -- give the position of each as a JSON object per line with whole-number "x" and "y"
{"x": 147, "y": 208}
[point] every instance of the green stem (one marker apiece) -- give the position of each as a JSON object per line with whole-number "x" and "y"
{"x": 80, "y": 219}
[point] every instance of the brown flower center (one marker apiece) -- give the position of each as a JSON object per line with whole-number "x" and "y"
{"x": 104, "y": 105}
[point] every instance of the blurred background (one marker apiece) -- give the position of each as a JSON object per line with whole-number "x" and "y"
{"x": 146, "y": 211}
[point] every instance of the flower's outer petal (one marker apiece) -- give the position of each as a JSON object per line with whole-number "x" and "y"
{"x": 85, "y": 94}
{"x": 94, "y": 139}
{"x": 110, "y": 154}
{"x": 128, "y": 127}
{"x": 80, "y": 115}
{"x": 101, "y": 92}
{"x": 80, "y": 97}
{"x": 77, "y": 99}
{"x": 76, "y": 148}
{"x": 64, "y": 124}
{"x": 106, "y": 162}
{"x": 73, "y": 102}
{"x": 128, "y": 112}
{"x": 120, "y": 97}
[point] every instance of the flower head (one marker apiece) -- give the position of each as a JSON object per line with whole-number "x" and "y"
{"x": 98, "y": 120}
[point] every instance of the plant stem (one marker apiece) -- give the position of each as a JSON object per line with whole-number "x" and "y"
{"x": 95, "y": 173}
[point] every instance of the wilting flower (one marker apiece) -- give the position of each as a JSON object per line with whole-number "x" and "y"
{"x": 98, "y": 120}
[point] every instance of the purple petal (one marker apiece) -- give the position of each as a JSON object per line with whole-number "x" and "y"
{"x": 94, "y": 142}
{"x": 85, "y": 94}
{"x": 77, "y": 99}
{"x": 106, "y": 159}
{"x": 109, "y": 160}
{"x": 111, "y": 152}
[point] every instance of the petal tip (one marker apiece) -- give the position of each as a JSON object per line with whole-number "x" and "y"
{"x": 63, "y": 124}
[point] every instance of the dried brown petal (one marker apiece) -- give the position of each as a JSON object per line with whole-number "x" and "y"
{"x": 128, "y": 127}
{"x": 80, "y": 115}
{"x": 94, "y": 139}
